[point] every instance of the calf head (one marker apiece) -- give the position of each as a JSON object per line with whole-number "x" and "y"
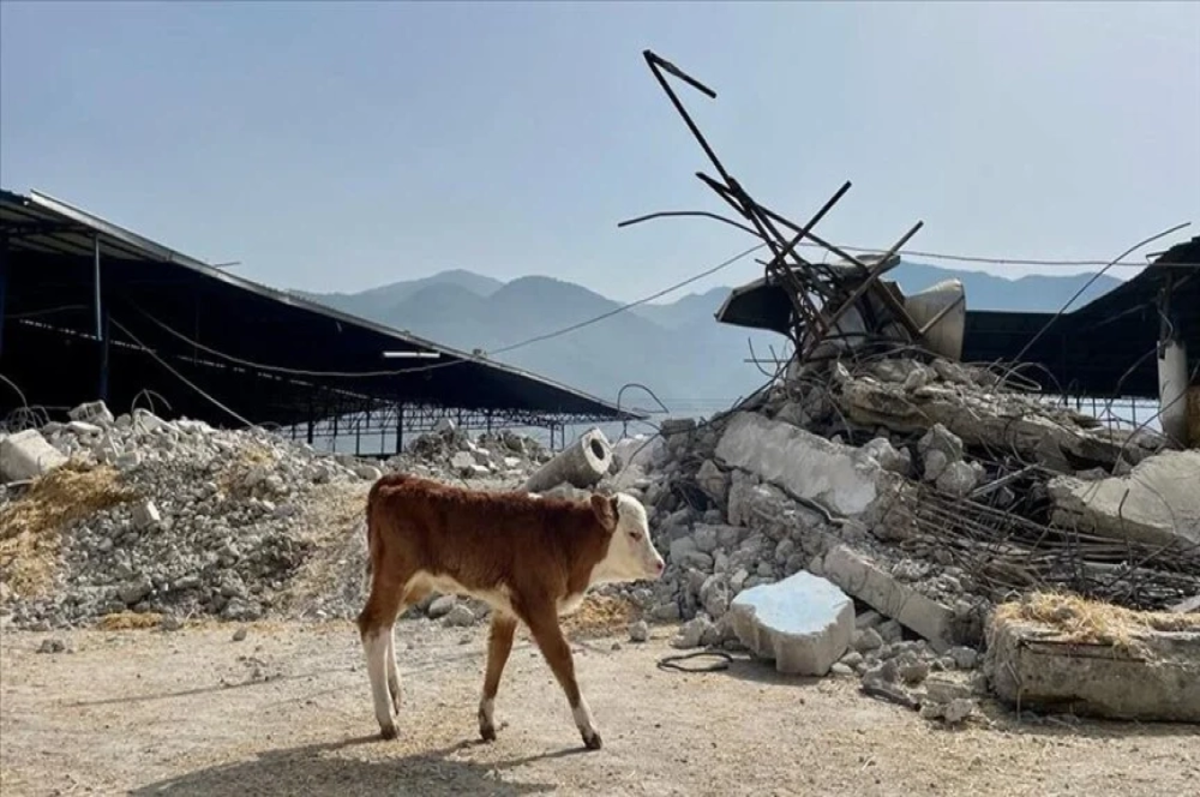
{"x": 630, "y": 555}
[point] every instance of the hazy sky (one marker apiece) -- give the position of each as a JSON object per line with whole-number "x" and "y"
{"x": 342, "y": 146}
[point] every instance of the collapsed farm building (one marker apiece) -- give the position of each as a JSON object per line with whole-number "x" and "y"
{"x": 909, "y": 499}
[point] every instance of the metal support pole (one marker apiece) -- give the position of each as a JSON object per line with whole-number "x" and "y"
{"x": 96, "y": 284}
{"x": 3, "y": 286}
{"x": 399, "y": 428}
{"x": 311, "y": 411}
{"x": 101, "y": 320}
{"x": 1172, "y": 370}
{"x": 104, "y": 347}
{"x": 358, "y": 434}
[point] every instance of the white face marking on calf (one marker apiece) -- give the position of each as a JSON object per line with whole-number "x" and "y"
{"x": 631, "y": 555}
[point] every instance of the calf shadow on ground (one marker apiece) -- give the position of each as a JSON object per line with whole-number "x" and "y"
{"x": 318, "y": 770}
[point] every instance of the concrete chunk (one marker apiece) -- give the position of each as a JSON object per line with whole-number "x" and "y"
{"x": 1155, "y": 679}
{"x": 803, "y": 464}
{"x": 94, "y": 412}
{"x": 27, "y": 455}
{"x": 803, "y": 623}
{"x": 1158, "y": 503}
{"x": 864, "y": 580}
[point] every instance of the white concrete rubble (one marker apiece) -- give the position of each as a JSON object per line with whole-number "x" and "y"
{"x": 803, "y": 623}
{"x": 27, "y": 455}
{"x": 803, "y": 464}
{"x": 1157, "y": 503}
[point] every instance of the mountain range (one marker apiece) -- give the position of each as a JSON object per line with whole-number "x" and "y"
{"x": 677, "y": 349}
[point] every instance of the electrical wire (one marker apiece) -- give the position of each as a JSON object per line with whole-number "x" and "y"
{"x": 706, "y": 273}
{"x": 178, "y": 375}
{"x": 1004, "y": 261}
{"x": 1086, "y": 285}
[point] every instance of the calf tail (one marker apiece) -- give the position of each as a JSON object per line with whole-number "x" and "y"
{"x": 390, "y": 480}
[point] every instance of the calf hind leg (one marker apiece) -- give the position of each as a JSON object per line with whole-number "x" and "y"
{"x": 500, "y": 641}
{"x": 375, "y": 626}
{"x": 412, "y": 596}
{"x": 549, "y": 637}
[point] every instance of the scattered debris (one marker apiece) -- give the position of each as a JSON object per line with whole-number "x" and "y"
{"x": 153, "y": 518}
{"x": 52, "y": 645}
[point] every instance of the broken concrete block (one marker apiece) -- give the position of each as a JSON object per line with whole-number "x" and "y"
{"x": 803, "y": 623}
{"x": 1157, "y": 503}
{"x": 939, "y": 438}
{"x": 882, "y": 451}
{"x": 27, "y": 455}
{"x": 958, "y": 710}
{"x": 871, "y": 584}
{"x": 94, "y": 412}
{"x": 368, "y": 473}
{"x": 713, "y": 482}
{"x": 935, "y": 465}
{"x": 146, "y": 515}
{"x": 803, "y": 464}
{"x": 957, "y": 479}
{"x": 943, "y": 688}
{"x": 692, "y": 633}
{"x": 1155, "y": 678}
{"x": 462, "y": 462}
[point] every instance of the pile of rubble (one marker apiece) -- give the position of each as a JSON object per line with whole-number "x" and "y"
{"x": 107, "y": 514}
{"x": 450, "y": 451}
{"x": 928, "y": 492}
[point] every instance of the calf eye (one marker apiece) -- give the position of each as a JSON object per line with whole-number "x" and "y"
{"x": 633, "y": 535}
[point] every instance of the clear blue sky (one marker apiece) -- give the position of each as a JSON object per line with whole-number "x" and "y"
{"x": 342, "y": 146}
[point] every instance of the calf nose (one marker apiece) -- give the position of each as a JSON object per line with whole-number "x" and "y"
{"x": 658, "y": 566}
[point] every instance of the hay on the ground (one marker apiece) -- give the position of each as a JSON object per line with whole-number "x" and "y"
{"x": 31, "y": 527}
{"x": 1083, "y": 621}
{"x": 599, "y": 615}
{"x": 129, "y": 621}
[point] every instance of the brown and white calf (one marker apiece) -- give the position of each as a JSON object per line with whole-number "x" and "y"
{"x": 530, "y": 558}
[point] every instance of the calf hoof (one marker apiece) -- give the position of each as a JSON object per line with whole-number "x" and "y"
{"x": 388, "y": 732}
{"x": 592, "y": 742}
{"x": 487, "y": 733}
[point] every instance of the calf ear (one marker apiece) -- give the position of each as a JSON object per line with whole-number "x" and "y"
{"x": 606, "y": 510}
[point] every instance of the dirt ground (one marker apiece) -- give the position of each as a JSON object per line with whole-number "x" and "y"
{"x": 286, "y": 711}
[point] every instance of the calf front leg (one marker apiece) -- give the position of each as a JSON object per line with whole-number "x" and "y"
{"x": 543, "y": 624}
{"x": 500, "y": 642}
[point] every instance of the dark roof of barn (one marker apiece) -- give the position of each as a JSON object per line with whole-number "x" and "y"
{"x": 183, "y": 309}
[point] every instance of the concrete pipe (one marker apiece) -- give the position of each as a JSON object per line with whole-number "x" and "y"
{"x": 581, "y": 464}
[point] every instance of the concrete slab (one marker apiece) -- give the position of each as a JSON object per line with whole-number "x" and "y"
{"x": 858, "y": 576}
{"x": 803, "y": 623}
{"x": 1157, "y": 503}
{"x": 803, "y": 464}
{"x": 1157, "y": 680}
{"x": 27, "y": 455}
